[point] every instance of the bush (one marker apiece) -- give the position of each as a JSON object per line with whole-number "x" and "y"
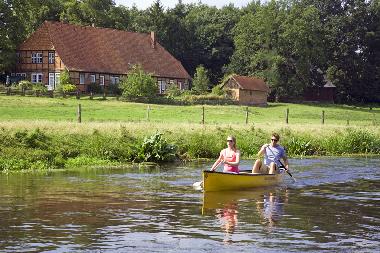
{"x": 201, "y": 81}
{"x": 25, "y": 85}
{"x": 40, "y": 87}
{"x": 156, "y": 149}
{"x": 69, "y": 88}
{"x": 138, "y": 84}
{"x": 114, "y": 89}
{"x": 218, "y": 91}
{"x": 95, "y": 88}
{"x": 173, "y": 91}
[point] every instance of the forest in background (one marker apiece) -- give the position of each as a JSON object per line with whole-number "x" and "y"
{"x": 292, "y": 44}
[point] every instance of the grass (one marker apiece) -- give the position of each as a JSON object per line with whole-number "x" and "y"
{"x": 111, "y": 110}
{"x": 42, "y": 133}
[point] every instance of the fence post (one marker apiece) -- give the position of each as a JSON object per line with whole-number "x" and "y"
{"x": 78, "y": 94}
{"x": 374, "y": 119}
{"x": 147, "y": 112}
{"x": 79, "y": 113}
{"x": 8, "y": 91}
{"x": 287, "y": 116}
{"x": 246, "y": 115}
{"x": 323, "y": 117}
{"x": 348, "y": 122}
{"x": 203, "y": 115}
{"x": 91, "y": 95}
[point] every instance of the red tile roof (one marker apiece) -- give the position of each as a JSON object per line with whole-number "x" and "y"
{"x": 251, "y": 83}
{"x": 104, "y": 50}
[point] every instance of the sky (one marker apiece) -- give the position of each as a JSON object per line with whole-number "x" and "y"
{"x": 144, "y": 4}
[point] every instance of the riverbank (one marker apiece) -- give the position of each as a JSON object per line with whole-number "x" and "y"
{"x": 41, "y": 145}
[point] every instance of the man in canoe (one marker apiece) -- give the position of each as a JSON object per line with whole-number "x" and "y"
{"x": 230, "y": 156}
{"x": 272, "y": 152}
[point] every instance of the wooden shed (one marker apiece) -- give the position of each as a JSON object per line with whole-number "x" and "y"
{"x": 247, "y": 90}
{"x": 321, "y": 94}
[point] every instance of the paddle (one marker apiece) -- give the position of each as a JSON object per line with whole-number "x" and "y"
{"x": 282, "y": 165}
{"x": 199, "y": 185}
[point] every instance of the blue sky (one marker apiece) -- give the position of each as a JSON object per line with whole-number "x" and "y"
{"x": 143, "y": 4}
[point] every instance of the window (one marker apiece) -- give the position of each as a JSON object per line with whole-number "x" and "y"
{"x": 161, "y": 86}
{"x": 18, "y": 57}
{"x": 36, "y": 57}
{"x": 36, "y": 78}
{"x": 93, "y": 78}
{"x": 180, "y": 85}
{"x": 21, "y": 74}
{"x": 51, "y": 57}
{"x": 101, "y": 80}
{"x": 81, "y": 78}
{"x": 114, "y": 79}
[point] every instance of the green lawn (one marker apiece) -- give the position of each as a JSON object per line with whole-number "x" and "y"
{"x": 64, "y": 109}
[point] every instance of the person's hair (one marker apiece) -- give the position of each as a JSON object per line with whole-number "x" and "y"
{"x": 234, "y": 140}
{"x": 276, "y": 135}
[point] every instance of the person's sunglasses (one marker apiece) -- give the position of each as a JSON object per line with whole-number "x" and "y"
{"x": 274, "y": 139}
{"x": 230, "y": 140}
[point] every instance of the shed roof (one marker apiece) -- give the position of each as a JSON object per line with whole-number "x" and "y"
{"x": 250, "y": 83}
{"x": 104, "y": 50}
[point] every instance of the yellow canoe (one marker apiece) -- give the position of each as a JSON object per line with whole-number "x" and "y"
{"x": 221, "y": 181}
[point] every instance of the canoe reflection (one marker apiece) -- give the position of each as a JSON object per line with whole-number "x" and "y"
{"x": 225, "y": 205}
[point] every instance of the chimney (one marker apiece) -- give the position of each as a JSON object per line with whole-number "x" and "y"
{"x": 153, "y": 40}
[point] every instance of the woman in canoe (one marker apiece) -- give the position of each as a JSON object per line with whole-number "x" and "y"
{"x": 230, "y": 156}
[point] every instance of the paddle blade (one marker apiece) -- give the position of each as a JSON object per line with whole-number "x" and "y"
{"x": 198, "y": 185}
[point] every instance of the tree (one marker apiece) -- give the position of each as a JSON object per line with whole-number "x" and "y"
{"x": 200, "y": 80}
{"x": 138, "y": 84}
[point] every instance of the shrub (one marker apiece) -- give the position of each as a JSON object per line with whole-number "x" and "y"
{"x": 138, "y": 84}
{"x": 173, "y": 91}
{"x": 218, "y": 91}
{"x": 25, "y": 85}
{"x": 64, "y": 77}
{"x": 114, "y": 89}
{"x": 40, "y": 87}
{"x": 69, "y": 88}
{"x": 156, "y": 149}
{"x": 200, "y": 81}
{"x": 95, "y": 88}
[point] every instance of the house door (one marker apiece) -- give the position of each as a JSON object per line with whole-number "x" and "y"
{"x": 53, "y": 80}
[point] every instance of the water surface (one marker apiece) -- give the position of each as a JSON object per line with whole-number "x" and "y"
{"x": 333, "y": 206}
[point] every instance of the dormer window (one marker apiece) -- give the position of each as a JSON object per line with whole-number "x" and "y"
{"x": 36, "y": 57}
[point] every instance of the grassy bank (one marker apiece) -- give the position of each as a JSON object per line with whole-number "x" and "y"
{"x": 98, "y": 110}
{"x": 28, "y": 145}
{"x": 42, "y": 133}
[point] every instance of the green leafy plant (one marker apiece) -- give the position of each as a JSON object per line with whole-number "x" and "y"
{"x": 138, "y": 84}
{"x": 69, "y": 88}
{"x": 201, "y": 81}
{"x": 156, "y": 149}
{"x": 40, "y": 87}
{"x": 25, "y": 85}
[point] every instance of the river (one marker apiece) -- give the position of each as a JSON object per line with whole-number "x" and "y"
{"x": 333, "y": 206}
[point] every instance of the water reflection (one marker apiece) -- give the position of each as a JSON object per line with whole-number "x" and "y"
{"x": 266, "y": 205}
{"x": 271, "y": 208}
{"x": 158, "y": 211}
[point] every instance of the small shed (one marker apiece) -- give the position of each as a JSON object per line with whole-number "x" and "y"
{"x": 247, "y": 90}
{"x": 321, "y": 94}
